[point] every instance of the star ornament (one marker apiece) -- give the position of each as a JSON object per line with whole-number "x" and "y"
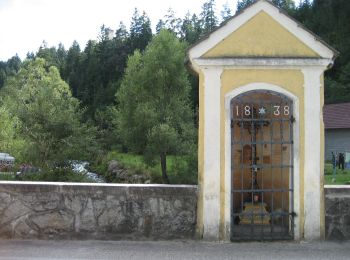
{"x": 262, "y": 111}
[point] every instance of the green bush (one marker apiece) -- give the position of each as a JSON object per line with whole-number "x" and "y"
{"x": 184, "y": 170}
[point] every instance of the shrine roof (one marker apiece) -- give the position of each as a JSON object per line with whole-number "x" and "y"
{"x": 261, "y": 30}
{"x": 336, "y": 116}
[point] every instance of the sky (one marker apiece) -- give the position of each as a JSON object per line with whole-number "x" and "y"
{"x": 25, "y": 24}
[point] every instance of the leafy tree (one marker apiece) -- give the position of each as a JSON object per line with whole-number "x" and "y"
{"x": 10, "y": 139}
{"x": 154, "y": 109}
{"x": 50, "y": 117}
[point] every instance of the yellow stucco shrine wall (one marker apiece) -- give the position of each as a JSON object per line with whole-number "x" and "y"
{"x": 261, "y": 36}
{"x": 290, "y": 80}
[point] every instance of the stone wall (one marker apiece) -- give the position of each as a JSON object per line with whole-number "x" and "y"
{"x": 120, "y": 211}
{"x": 337, "y": 212}
{"x": 96, "y": 211}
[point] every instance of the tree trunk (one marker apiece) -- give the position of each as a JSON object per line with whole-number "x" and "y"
{"x": 163, "y": 166}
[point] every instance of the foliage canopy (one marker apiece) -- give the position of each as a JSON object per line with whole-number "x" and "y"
{"x": 49, "y": 117}
{"x": 154, "y": 108}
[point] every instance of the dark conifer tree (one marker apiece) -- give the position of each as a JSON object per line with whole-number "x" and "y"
{"x": 208, "y": 17}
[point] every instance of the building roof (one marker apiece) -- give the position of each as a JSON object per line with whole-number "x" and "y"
{"x": 336, "y": 116}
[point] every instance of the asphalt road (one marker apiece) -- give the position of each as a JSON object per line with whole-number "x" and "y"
{"x": 39, "y": 249}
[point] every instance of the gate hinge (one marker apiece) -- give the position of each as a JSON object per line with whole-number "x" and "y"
{"x": 292, "y": 119}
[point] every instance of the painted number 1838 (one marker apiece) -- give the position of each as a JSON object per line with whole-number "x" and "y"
{"x": 276, "y": 110}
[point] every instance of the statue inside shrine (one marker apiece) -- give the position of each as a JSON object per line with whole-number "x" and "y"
{"x": 254, "y": 208}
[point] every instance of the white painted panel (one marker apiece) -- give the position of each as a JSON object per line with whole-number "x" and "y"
{"x": 312, "y": 170}
{"x": 211, "y": 172}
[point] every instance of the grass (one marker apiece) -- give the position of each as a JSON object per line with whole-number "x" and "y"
{"x": 129, "y": 160}
{"x": 342, "y": 177}
{"x": 7, "y": 176}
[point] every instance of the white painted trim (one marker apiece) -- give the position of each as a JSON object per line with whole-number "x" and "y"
{"x": 337, "y": 187}
{"x": 44, "y": 183}
{"x": 211, "y": 169}
{"x": 235, "y": 23}
{"x": 262, "y": 62}
{"x": 312, "y": 170}
{"x": 228, "y": 97}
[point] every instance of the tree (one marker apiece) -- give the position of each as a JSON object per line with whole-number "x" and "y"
{"x": 241, "y": 4}
{"x": 121, "y": 33}
{"x": 171, "y": 22}
{"x": 226, "y": 12}
{"x": 207, "y": 16}
{"x": 54, "y": 57}
{"x": 191, "y": 29}
{"x": 10, "y": 138}
{"x": 9, "y": 68}
{"x": 140, "y": 30}
{"x": 50, "y": 117}
{"x": 160, "y": 25}
{"x": 70, "y": 72}
{"x": 154, "y": 109}
{"x": 330, "y": 19}
{"x": 13, "y": 65}
{"x": 287, "y": 5}
{"x": 2, "y": 73}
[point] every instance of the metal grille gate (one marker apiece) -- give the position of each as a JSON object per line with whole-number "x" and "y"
{"x": 262, "y": 166}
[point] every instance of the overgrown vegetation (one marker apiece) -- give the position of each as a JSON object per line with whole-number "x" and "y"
{"x": 179, "y": 168}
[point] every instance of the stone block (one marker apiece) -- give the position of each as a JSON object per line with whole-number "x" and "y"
{"x": 54, "y": 221}
{"x": 337, "y": 213}
{"x": 15, "y": 210}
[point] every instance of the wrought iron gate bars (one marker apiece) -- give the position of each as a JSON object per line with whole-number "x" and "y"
{"x": 286, "y": 230}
